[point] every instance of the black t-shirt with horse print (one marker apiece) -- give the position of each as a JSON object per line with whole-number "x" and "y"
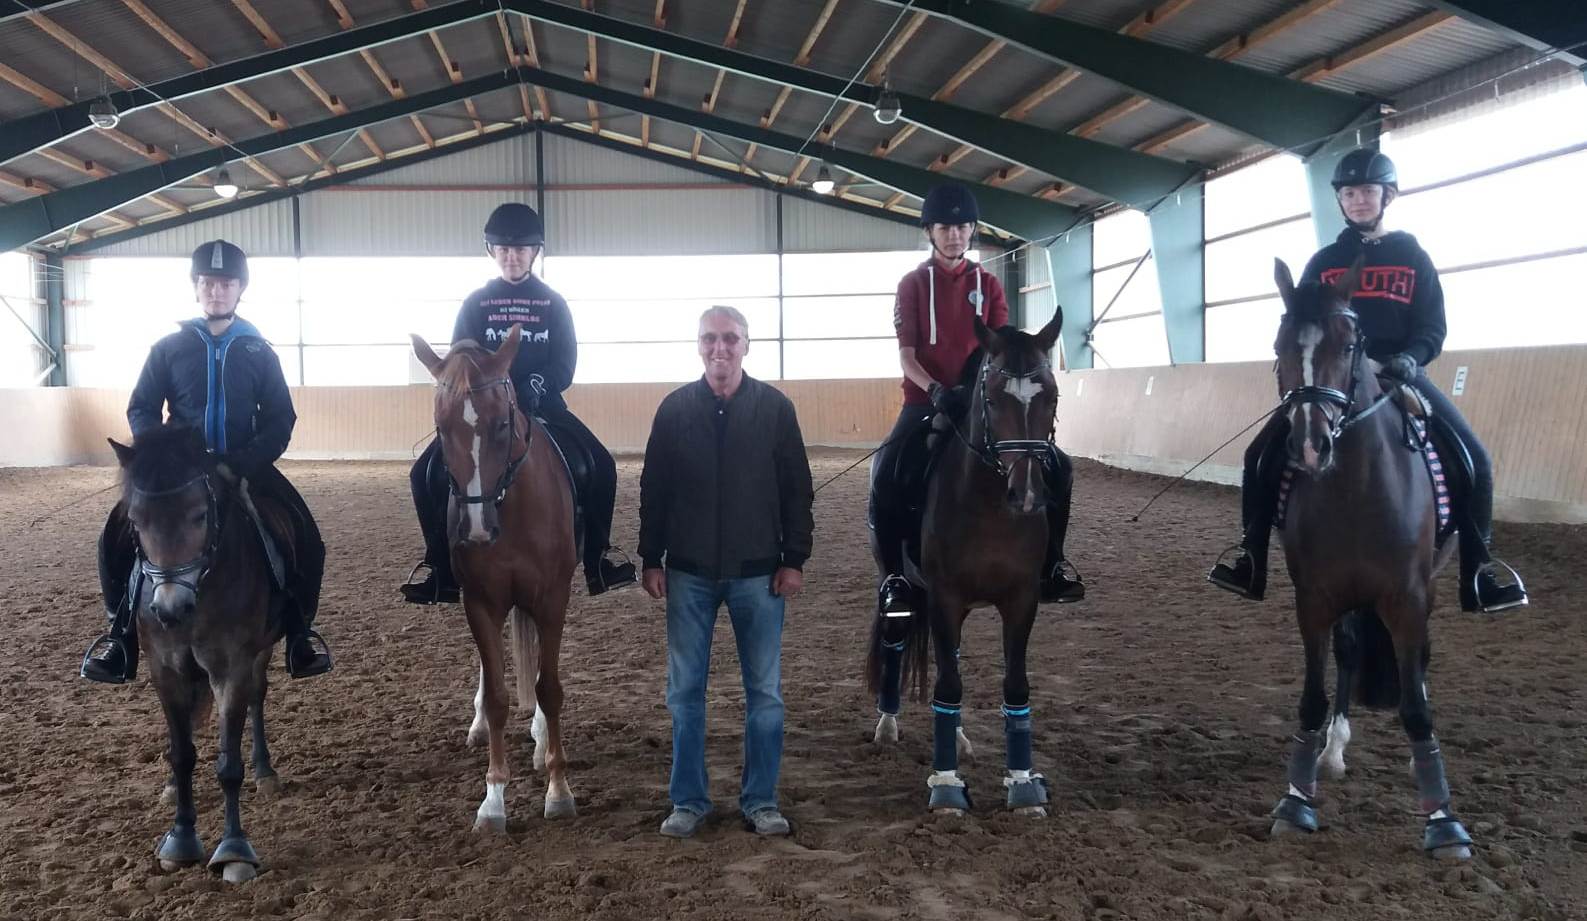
{"x": 549, "y": 348}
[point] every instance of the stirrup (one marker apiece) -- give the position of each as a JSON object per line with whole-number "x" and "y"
{"x": 1516, "y": 583}
{"x": 320, "y": 660}
{"x": 609, "y": 575}
{"x": 1059, "y": 588}
{"x": 430, "y": 590}
{"x": 103, "y": 650}
{"x": 1223, "y": 573}
{"x": 895, "y": 597}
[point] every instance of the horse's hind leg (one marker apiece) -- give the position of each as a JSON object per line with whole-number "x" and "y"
{"x": 948, "y": 791}
{"x": 1027, "y": 790}
{"x": 1294, "y": 811}
{"x": 181, "y": 846}
{"x": 266, "y": 783}
{"x": 560, "y": 803}
{"x": 234, "y": 857}
{"x": 487, "y": 629}
{"x": 1347, "y": 663}
{"x": 1443, "y": 836}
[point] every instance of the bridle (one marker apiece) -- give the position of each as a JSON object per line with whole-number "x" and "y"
{"x": 189, "y": 574}
{"x": 991, "y": 452}
{"x": 1349, "y": 415}
{"x": 504, "y": 481}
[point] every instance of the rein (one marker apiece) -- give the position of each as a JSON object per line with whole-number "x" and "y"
{"x": 1349, "y": 415}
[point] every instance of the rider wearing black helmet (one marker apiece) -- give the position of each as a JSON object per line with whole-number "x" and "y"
{"x": 543, "y": 368}
{"x": 934, "y": 313}
{"x": 1401, "y": 308}
{"x": 219, "y": 375}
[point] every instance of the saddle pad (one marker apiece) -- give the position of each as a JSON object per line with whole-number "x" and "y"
{"x": 1435, "y": 472}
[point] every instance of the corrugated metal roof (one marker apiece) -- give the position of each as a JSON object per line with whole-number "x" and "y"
{"x": 811, "y": 227}
{"x": 262, "y": 231}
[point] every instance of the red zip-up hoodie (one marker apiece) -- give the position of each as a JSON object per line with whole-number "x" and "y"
{"x": 933, "y": 315}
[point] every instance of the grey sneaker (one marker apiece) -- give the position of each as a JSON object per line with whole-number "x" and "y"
{"x": 767, "y": 821}
{"x": 682, "y": 824}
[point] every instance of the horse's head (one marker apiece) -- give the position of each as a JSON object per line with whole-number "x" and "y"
{"x": 482, "y": 432}
{"x": 1013, "y": 407}
{"x": 167, "y": 485}
{"x": 1319, "y": 362}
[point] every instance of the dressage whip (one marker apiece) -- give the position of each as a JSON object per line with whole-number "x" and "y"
{"x": 73, "y": 503}
{"x": 1179, "y": 479}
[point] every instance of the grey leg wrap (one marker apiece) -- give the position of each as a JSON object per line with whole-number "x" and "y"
{"x": 1432, "y": 790}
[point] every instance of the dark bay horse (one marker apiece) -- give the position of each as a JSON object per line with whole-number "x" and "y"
{"x": 512, "y": 550}
{"x": 983, "y": 540}
{"x": 1359, "y": 539}
{"x": 209, "y": 615}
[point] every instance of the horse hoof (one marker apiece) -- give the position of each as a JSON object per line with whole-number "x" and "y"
{"x": 1453, "y": 852}
{"x": 565, "y": 808}
{"x": 180, "y": 848}
{"x": 1033, "y": 812}
{"x": 168, "y": 796}
{"x": 491, "y": 824}
{"x": 233, "y": 851}
{"x": 1446, "y": 839}
{"x": 1283, "y": 828}
{"x": 966, "y": 750}
{"x": 267, "y": 787}
{"x": 171, "y": 866}
{"x": 957, "y": 813}
{"x": 886, "y": 729}
{"x": 238, "y": 872}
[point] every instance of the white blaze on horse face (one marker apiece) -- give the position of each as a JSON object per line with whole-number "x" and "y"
{"x": 1310, "y": 336}
{"x": 476, "y": 511}
{"x": 1024, "y": 389}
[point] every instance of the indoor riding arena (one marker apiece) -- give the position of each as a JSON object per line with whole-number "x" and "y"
{"x": 1138, "y": 164}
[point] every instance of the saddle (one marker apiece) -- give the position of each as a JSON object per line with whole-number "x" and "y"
{"x": 579, "y": 466}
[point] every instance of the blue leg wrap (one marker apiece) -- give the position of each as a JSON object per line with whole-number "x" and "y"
{"x": 945, "y": 737}
{"x": 887, "y": 699}
{"x": 1017, "y": 733}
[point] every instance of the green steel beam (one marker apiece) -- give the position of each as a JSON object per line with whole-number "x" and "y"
{"x": 445, "y": 150}
{"x": 1268, "y": 107}
{"x": 1177, "y": 247}
{"x": 55, "y": 316}
{"x": 1115, "y": 172}
{"x": 24, "y": 135}
{"x": 1541, "y": 24}
{"x": 1326, "y": 218}
{"x": 1070, "y": 259}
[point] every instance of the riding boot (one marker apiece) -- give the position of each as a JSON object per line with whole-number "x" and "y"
{"x": 1480, "y": 589}
{"x": 1057, "y": 587}
{"x": 307, "y": 652}
{"x": 428, "y": 482}
{"x": 1246, "y": 574}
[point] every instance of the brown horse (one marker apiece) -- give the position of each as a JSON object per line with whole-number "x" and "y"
{"x": 1359, "y": 538}
{"x": 512, "y": 550}
{"x": 208, "y": 617}
{"x": 984, "y": 537}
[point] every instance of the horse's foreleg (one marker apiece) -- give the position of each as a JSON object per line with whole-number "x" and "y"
{"x": 1295, "y": 811}
{"x": 548, "y": 694}
{"x": 948, "y": 792}
{"x": 487, "y": 629}
{"x": 234, "y": 857}
{"x": 1027, "y": 790}
{"x": 1443, "y": 836}
{"x": 265, "y": 782}
{"x": 478, "y": 733}
{"x": 181, "y": 846}
{"x": 1347, "y": 663}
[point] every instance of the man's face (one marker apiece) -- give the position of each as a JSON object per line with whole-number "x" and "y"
{"x": 723, "y": 344}
{"x": 951, "y": 240}
{"x": 514, "y": 261}
{"x": 1362, "y": 204}
{"x": 218, "y": 296}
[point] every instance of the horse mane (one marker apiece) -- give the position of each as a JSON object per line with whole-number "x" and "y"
{"x": 166, "y": 457}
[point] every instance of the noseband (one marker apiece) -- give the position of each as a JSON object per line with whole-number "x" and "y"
{"x": 991, "y": 452}
{"x": 1349, "y": 415}
{"x": 189, "y": 574}
{"x": 503, "y": 482}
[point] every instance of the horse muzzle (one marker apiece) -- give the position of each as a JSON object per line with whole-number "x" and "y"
{"x": 173, "y": 604}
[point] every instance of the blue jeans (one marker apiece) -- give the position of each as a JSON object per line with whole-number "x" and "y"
{"x": 757, "y": 615}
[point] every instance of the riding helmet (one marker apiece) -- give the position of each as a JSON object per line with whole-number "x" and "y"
{"x": 222, "y": 259}
{"x": 1365, "y": 166}
{"x": 515, "y": 224}
{"x": 949, "y": 203}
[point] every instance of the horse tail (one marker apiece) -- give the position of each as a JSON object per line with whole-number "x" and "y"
{"x": 917, "y": 647}
{"x": 526, "y": 656}
{"x": 1367, "y": 641}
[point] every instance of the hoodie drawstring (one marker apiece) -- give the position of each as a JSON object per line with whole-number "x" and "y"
{"x": 931, "y": 285}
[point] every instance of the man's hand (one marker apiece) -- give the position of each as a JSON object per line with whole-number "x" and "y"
{"x": 787, "y": 582}
{"x": 655, "y": 583}
{"x": 1401, "y": 367}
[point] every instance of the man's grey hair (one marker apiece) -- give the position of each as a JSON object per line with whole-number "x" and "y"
{"x": 732, "y": 313}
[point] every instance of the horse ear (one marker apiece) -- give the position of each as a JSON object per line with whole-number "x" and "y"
{"x": 509, "y": 347}
{"x": 988, "y": 339}
{"x": 124, "y": 453}
{"x": 425, "y": 354}
{"x": 1345, "y": 285}
{"x": 1047, "y": 336}
{"x": 1284, "y": 280}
